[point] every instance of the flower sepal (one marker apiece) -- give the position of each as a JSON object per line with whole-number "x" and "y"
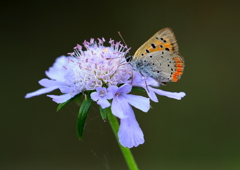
{"x": 138, "y": 89}
{"x": 82, "y": 115}
{"x": 103, "y": 113}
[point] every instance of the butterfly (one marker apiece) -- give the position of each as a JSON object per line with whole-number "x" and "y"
{"x": 159, "y": 58}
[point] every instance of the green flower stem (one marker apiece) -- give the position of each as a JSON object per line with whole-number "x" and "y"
{"x": 126, "y": 151}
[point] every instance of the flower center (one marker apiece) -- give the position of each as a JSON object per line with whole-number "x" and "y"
{"x": 99, "y": 65}
{"x": 117, "y": 94}
{"x": 102, "y": 93}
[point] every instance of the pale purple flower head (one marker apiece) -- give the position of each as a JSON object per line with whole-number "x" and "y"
{"x": 103, "y": 72}
{"x": 86, "y": 70}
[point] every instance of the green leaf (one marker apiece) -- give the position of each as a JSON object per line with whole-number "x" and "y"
{"x": 61, "y": 105}
{"x": 103, "y": 113}
{"x": 82, "y": 115}
{"x": 139, "y": 89}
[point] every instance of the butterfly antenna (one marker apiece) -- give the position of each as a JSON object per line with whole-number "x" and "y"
{"x": 123, "y": 41}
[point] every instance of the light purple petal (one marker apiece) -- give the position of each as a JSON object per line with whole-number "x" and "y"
{"x": 139, "y": 81}
{"x": 62, "y": 98}
{"x": 151, "y": 82}
{"x": 40, "y": 91}
{"x": 104, "y": 103}
{"x": 65, "y": 89}
{"x": 98, "y": 89}
{"x": 130, "y": 134}
{"x": 174, "y": 95}
{"x": 137, "y": 77}
{"x": 151, "y": 94}
{"x": 139, "y": 102}
{"x": 119, "y": 107}
{"x": 55, "y": 72}
{"x": 126, "y": 88}
{"x": 113, "y": 90}
{"x": 109, "y": 95}
{"x": 94, "y": 96}
{"x": 51, "y": 83}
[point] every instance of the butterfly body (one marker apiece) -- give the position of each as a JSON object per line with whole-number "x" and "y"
{"x": 159, "y": 58}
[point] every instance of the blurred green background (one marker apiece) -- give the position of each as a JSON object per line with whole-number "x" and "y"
{"x": 200, "y": 132}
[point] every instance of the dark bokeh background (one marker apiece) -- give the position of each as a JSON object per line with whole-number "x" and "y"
{"x": 199, "y": 132}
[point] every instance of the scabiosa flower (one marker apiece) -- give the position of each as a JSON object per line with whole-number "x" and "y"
{"x": 102, "y": 96}
{"x": 102, "y": 75}
{"x": 130, "y": 134}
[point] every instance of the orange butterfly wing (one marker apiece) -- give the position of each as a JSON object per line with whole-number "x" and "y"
{"x": 164, "y": 42}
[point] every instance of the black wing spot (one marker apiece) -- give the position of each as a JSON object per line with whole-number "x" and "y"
{"x": 170, "y": 62}
{"x": 145, "y": 61}
{"x": 142, "y": 54}
{"x": 162, "y": 52}
{"x": 147, "y": 51}
{"x": 172, "y": 69}
{"x": 161, "y": 56}
{"x": 150, "y": 56}
{"x": 168, "y": 65}
{"x": 171, "y": 72}
{"x": 157, "y": 38}
{"x": 161, "y": 39}
{"x": 153, "y": 45}
{"x": 161, "y": 46}
{"x": 158, "y": 71}
{"x": 167, "y": 49}
{"x": 152, "y": 63}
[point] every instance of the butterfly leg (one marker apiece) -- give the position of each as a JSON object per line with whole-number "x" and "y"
{"x": 146, "y": 85}
{"x": 132, "y": 78}
{"x": 145, "y": 81}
